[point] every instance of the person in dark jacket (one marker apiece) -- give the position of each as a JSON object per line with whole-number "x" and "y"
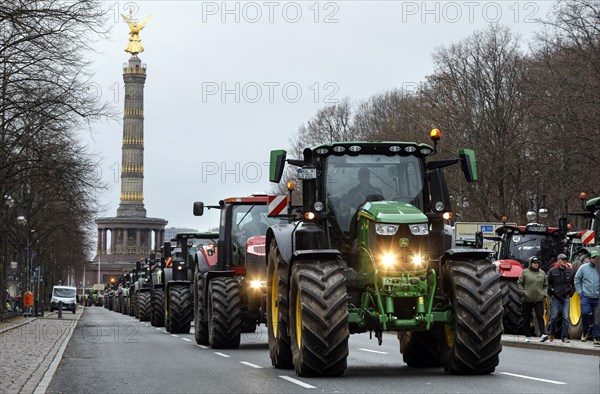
{"x": 533, "y": 285}
{"x": 561, "y": 287}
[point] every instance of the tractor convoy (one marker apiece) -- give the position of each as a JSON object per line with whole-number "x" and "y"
{"x": 367, "y": 249}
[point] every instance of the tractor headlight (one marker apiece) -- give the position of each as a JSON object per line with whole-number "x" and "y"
{"x": 388, "y": 260}
{"x": 181, "y": 266}
{"x": 386, "y": 229}
{"x": 419, "y": 229}
{"x": 257, "y": 284}
{"x": 418, "y": 261}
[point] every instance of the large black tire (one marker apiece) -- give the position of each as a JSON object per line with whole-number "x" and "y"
{"x": 280, "y": 349}
{"x": 158, "y": 308}
{"x": 420, "y": 349}
{"x": 131, "y": 303}
{"x": 511, "y": 302}
{"x": 180, "y": 309}
{"x": 473, "y": 344}
{"x": 136, "y": 306}
{"x": 200, "y": 323}
{"x": 124, "y": 305}
{"x": 144, "y": 306}
{"x": 224, "y": 313}
{"x": 319, "y": 319}
{"x": 575, "y": 321}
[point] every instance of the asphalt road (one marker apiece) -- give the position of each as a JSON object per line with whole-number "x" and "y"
{"x": 110, "y": 352}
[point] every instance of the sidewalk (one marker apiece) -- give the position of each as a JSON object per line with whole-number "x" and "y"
{"x": 28, "y": 347}
{"x": 575, "y": 346}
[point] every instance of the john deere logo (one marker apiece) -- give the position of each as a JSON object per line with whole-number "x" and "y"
{"x": 403, "y": 242}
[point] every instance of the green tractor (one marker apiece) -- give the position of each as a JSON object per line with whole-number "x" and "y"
{"x": 377, "y": 258}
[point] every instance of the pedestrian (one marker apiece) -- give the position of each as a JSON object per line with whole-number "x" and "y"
{"x": 533, "y": 285}
{"x": 587, "y": 285}
{"x": 561, "y": 287}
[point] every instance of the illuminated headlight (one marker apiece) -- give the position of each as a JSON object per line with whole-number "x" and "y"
{"x": 419, "y": 229}
{"x": 418, "y": 260}
{"x": 181, "y": 266}
{"x": 386, "y": 229}
{"x": 388, "y": 260}
{"x": 257, "y": 284}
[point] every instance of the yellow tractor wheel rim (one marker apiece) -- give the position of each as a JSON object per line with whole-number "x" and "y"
{"x": 274, "y": 305}
{"x": 298, "y": 320}
{"x": 449, "y": 333}
{"x": 575, "y": 309}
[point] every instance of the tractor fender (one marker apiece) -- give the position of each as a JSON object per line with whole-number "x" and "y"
{"x": 508, "y": 268}
{"x": 205, "y": 261}
{"x": 282, "y": 233}
{"x": 476, "y": 254}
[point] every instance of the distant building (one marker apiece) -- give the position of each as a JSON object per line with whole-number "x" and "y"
{"x": 170, "y": 232}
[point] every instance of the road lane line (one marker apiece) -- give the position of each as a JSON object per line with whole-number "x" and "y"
{"x": 175, "y": 335}
{"x": 250, "y": 364}
{"x": 187, "y": 339}
{"x": 532, "y": 378}
{"x": 158, "y": 329}
{"x": 372, "y": 351}
{"x": 298, "y": 382}
{"x": 221, "y": 354}
{"x": 202, "y": 346}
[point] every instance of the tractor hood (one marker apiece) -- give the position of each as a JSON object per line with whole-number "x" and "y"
{"x": 392, "y": 212}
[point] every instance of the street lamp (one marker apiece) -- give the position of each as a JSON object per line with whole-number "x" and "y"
{"x": 9, "y": 202}
{"x": 540, "y": 213}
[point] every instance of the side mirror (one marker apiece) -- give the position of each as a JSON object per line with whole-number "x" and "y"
{"x": 276, "y": 165}
{"x": 468, "y": 164}
{"x": 198, "y": 208}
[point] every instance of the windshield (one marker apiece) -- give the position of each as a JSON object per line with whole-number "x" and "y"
{"x": 354, "y": 180}
{"x": 249, "y": 221}
{"x": 195, "y": 244}
{"x": 64, "y": 292}
{"x": 524, "y": 246}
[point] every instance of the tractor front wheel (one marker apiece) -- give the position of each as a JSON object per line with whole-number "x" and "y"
{"x": 200, "y": 323}
{"x": 473, "y": 343}
{"x": 158, "y": 308}
{"x": 511, "y": 302}
{"x": 224, "y": 313}
{"x": 280, "y": 349}
{"x": 144, "y": 305}
{"x": 319, "y": 319}
{"x": 180, "y": 309}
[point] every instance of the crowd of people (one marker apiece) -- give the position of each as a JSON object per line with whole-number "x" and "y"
{"x": 560, "y": 284}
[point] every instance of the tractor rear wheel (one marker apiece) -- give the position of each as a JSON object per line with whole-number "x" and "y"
{"x": 144, "y": 306}
{"x": 280, "y": 349}
{"x": 511, "y": 302}
{"x": 224, "y": 313}
{"x": 200, "y": 323}
{"x": 158, "y": 308}
{"x": 319, "y": 319}
{"x": 420, "y": 349}
{"x": 180, "y": 309}
{"x": 136, "y": 306}
{"x": 473, "y": 344}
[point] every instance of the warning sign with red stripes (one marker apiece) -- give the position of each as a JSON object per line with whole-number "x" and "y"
{"x": 169, "y": 262}
{"x": 587, "y": 237}
{"x": 277, "y": 205}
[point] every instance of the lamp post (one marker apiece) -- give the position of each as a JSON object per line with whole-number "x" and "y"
{"x": 537, "y": 208}
{"x": 22, "y": 221}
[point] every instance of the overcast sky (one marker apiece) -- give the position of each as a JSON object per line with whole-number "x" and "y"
{"x": 229, "y": 81}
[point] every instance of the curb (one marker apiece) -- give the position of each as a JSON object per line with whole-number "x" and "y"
{"x": 592, "y": 351}
{"x": 5, "y": 329}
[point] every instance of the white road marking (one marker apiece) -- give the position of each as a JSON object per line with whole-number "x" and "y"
{"x": 250, "y": 364}
{"x": 145, "y": 324}
{"x": 175, "y": 335}
{"x": 187, "y": 340}
{"x": 298, "y": 382}
{"x": 202, "y": 346}
{"x": 372, "y": 351}
{"x": 158, "y": 329}
{"x": 532, "y": 378}
{"x": 221, "y": 354}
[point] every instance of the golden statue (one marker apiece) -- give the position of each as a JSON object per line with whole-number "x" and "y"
{"x": 135, "y": 43}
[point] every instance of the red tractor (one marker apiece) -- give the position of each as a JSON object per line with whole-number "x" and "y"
{"x": 230, "y": 278}
{"x": 517, "y": 245}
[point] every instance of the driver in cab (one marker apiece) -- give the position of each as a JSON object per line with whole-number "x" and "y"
{"x": 359, "y": 193}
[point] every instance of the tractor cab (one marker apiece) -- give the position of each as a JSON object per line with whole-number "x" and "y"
{"x": 520, "y": 243}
